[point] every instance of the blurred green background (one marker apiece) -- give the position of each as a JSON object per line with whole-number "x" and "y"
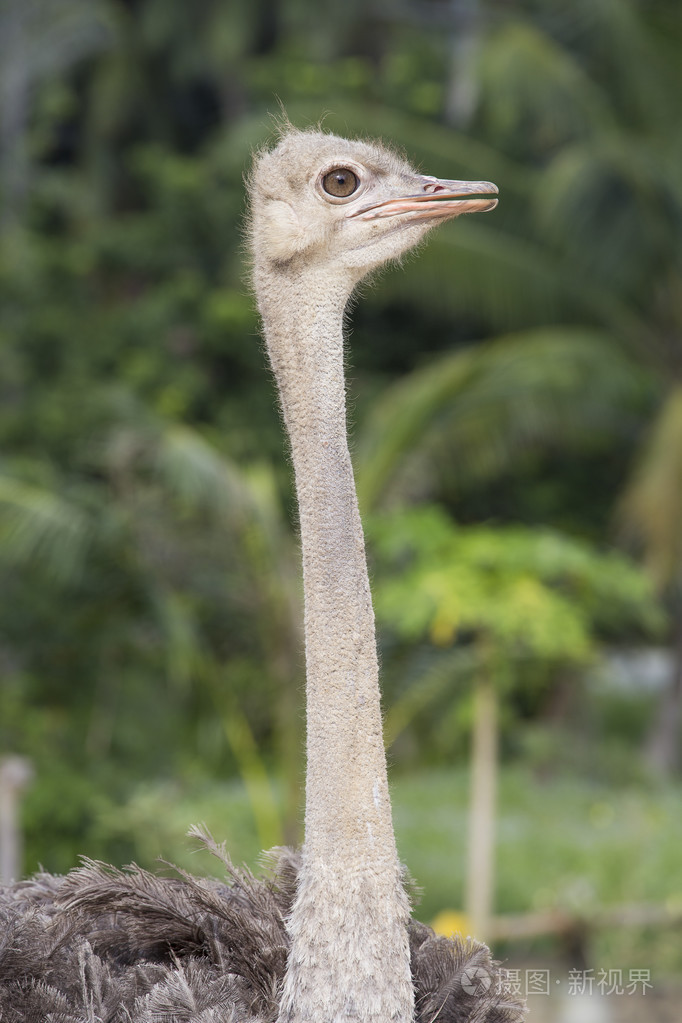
{"x": 516, "y": 396}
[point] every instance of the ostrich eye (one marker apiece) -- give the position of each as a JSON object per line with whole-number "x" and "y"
{"x": 340, "y": 182}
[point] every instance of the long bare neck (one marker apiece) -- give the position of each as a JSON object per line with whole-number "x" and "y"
{"x": 349, "y": 957}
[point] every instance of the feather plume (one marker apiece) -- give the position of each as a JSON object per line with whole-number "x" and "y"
{"x": 103, "y": 945}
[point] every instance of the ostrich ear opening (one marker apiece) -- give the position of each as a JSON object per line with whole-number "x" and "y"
{"x": 283, "y": 232}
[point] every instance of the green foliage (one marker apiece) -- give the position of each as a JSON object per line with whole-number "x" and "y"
{"x": 525, "y": 593}
{"x": 522, "y": 606}
{"x": 651, "y": 507}
{"x": 490, "y": 403}
{"x": 147, "y": 564}
{"x": 567, "y": 844}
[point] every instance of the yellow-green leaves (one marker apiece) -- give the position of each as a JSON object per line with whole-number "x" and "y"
{"x": 523, "y": 593}
{"x": 651, "y": 508}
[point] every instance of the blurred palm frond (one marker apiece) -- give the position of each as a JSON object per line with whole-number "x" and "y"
{"x": 486, "y": 403}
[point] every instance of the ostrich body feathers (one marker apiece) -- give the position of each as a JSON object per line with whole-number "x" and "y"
{"x": 101, "y": 945}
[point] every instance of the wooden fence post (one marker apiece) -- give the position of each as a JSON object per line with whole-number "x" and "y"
{"x": 15, "y": 774}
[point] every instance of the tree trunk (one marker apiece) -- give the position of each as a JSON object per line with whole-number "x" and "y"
{"x": 462, "y": 86}
{"x": 480, "y": 874}
{"x": 14, "y": 91}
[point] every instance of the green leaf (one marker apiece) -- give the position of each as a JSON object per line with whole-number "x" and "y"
{"x": 42, "y": 526}
{"x": 650, "y": 510}
{"x": 520, "y": 592}
{"x": 483, "y": 405}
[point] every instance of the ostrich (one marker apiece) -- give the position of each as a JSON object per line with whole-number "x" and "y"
{"x": 326, "y": 936}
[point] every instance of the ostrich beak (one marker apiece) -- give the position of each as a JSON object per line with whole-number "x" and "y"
{"x": 435, "y": 199}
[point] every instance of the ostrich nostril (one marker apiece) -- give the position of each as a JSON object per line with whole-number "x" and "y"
{"x": 433, "y": 185}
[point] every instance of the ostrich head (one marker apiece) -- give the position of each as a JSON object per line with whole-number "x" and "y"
{"x": 347, "y": 206}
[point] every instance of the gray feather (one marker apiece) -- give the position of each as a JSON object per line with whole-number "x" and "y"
{"x": 103, "y": 945}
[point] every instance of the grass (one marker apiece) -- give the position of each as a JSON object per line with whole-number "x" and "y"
{"x": 563, "y": 843}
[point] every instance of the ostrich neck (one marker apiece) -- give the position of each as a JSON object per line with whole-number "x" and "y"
{"x": 349, "y": 958}
{"x": 346, "y": 766}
